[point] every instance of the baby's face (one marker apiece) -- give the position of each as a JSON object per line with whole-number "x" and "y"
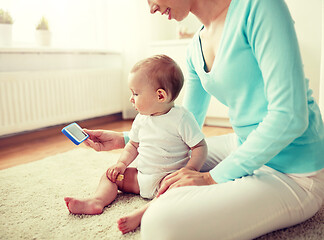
{"x": 144, "y": 97}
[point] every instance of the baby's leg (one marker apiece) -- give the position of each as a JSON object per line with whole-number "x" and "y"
{"x": 106, "y": 192}
{"x": 132, "y": 221}
{"x": 104, "y": 195}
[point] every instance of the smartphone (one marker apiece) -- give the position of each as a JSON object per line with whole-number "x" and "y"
{"x": 75, "y": 133}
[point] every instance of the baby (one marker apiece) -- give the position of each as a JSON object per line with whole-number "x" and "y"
{"x": 163, "y": 139}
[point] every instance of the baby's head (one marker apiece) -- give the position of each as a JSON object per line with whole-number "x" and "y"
{"x": 155, "y": 83}
{"x": 161, "y": 72}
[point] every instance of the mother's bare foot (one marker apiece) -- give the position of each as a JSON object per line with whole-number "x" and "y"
{"x": 84, "y": 206}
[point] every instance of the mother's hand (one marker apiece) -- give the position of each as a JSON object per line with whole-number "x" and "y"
{"x": 104, "y": 140}
{"x": 185, "y": 177}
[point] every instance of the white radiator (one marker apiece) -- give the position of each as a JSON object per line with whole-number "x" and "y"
{"x": 37, "y": 99}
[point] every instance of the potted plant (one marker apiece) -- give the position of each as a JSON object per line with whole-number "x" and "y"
{"x": 43, "y": 35}
{"x": 5, "y": 28}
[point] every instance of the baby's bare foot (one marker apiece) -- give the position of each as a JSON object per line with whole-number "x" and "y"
{"x": 84, "y": 206}
{"x": 130, "y": 222}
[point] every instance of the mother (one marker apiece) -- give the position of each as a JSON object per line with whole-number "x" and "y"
{"x": 270, "y": 173}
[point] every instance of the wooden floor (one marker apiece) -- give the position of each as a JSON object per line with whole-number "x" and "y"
{"x": 39, "y": 144}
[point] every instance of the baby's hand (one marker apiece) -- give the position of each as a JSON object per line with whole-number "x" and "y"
{"x": 115, "y": 170}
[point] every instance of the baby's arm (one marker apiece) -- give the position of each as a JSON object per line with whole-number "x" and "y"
{"x": 198, "y": 156}
{"x": 127, "y": 157}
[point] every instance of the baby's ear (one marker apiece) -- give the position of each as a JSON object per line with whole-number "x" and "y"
{"x": 161, "y": 95}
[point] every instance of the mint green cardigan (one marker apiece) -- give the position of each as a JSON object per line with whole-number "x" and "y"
{"x": 258, "y": 74}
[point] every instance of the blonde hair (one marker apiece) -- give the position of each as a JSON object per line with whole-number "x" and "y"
{"x": 165, "y": 73}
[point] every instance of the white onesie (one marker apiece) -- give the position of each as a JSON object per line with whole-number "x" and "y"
{"x": 164, "y": 144}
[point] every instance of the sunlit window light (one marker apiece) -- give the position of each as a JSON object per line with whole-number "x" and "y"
{"x": 72, "y": 23}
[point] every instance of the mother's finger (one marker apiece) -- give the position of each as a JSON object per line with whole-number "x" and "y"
{"x": 162, "y": 189}
{"x": 171, "y": 175}
{"x": 95, "y": 145}
{"x": 179, "y": 183}
{"x": 86, "y": 142}
{"x": 93, "y": 133}
{"x": 169, "y": 180}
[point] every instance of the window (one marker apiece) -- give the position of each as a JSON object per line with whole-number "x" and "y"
{"x": 73, "y": 23}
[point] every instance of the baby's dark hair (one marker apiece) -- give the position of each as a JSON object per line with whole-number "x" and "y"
{"x": 164, "y": 72}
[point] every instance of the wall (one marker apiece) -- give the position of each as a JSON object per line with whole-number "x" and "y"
{"x": 136, "y": 33}
{"x": 73, "y": 23}
{"x": 308, "y": 24}
{"x": 38, "y": 59}
{"x": 321, "y": 98}
{"x": 134, "y": 37}
{"x": 45, "y": 87}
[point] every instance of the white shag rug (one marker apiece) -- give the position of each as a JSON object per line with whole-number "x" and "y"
{"x": 32, "y": 204}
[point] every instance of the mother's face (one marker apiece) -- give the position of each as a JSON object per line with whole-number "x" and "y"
{"x": 173, "y": 9}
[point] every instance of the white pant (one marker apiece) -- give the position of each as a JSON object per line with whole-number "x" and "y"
{"x": 242, "y": 209}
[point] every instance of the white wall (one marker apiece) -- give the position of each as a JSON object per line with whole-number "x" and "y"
{"x": 321, "y": 97}
{"x": 308, "y": 24}
{"x": 134, "y": 36}
{"x": 73, "y": 23}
